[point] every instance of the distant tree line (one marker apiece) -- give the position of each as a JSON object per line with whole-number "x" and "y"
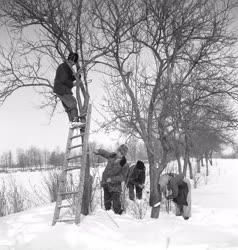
{"x": 35, "y": 158}
{"x": 32, "y": 158}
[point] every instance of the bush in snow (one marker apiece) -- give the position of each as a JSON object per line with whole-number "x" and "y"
{"x": 3, "y": 200}
{"x": 17, "y": 198}
{"x": 96, "y": 197}
{"x": 137, "y": 208}
{"x": 51, "y": 184}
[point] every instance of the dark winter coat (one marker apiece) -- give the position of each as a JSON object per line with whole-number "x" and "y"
{"x": 116, "y": 170}
{"x": 136, "y": 176}
{"x": 179, "y": 189}
{"x": 63, "y": 80}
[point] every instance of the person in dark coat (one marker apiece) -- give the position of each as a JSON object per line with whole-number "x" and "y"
{"x": 136, "y": 180}
{"x": 113, "y": 175}
{"x": 178, "y": 188}
{"x": 63, "y": 84}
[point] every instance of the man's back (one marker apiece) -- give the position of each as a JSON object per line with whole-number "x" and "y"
{"x": 64, "y": 78}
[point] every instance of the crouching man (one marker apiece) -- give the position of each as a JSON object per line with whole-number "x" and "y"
{"x": 136, "y": 180}
{"x": 179, "y": 189}
{"x": 114, "y": 174}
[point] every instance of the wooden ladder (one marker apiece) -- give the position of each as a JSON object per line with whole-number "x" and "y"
{"x": 69, "y": 194}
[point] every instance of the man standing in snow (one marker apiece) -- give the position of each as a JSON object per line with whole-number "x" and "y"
{"x": 136, "y": 180}
{"x": 180, "y": 188}
{"x": 114, "y": 174}
{"x": 63, "y": 84}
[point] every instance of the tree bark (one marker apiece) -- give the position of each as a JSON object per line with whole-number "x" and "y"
{"x": 190, "y": 168}
{"x": 88, "y": 179}
{"x": 87, "y": 192}
{"x": 207, "y": 165}
{"x": 155, "y": 195}
{"x": 198, "y": 165}
{"x": 179, "y": 163}
{"x": 185, "y": 164}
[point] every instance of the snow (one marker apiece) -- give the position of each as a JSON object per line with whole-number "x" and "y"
{"x": 213, "y": 225}
{"x": 32, "y": 184}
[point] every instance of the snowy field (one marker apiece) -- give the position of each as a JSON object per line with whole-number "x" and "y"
{"x": 213, "y": 226}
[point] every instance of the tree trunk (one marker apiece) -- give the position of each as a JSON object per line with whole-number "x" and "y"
{"x": 207, "y": 165}
{"x": 207, "y": 169}
{"x": 88, "y": 179}
{"x": 190, "y": 168}
{"x": 202, "y": 161}
{"x": 185, "y": 166}
{"x": 155, "y": 195}
{"x": 179, "y": 163}
{"x": 186, "y": 156}
{"x": 87, "y": 192}
{"x": 210, "y": 158}
{"x": 198, "y": 165}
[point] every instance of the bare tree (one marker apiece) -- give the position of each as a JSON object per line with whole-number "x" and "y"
{"x": 43, "y": 33}
{"x": 55, "y": 27}
{"x": 206, "y": 121}
{"x": 6, "y": 161}
{"x": 174, "y": 46}
{"x": 56, "y": 158}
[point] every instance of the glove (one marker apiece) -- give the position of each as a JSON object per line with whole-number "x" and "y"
{"x": 123, "y": 161}
{"x": 78, "y": 74}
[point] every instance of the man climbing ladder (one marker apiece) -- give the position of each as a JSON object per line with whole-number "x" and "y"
{"x": 63, "y": 84}
{"x": 70, "y": 193}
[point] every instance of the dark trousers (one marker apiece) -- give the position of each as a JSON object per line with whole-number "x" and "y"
{"x": 112, "y": 199}
{"x": 132, "y": 192}
{"x": 70, "y": 106}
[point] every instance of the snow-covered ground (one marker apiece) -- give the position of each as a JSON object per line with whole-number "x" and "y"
{"x": 213, "y": 226}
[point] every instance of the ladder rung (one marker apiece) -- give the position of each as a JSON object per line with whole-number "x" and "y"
{"x": 74, "y": 157}
{"x": 76, "y": 146}
{"x": 68, "y": 193}
{"x": 65, "y": 220}
{"x": 76, "y": 136}
{"x": 64, "y": 206}
{"x": 81, "y": 125}
{"x": 72, "y": 168}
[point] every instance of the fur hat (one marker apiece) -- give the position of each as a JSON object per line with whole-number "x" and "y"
{"x": 73, "y": 57}
{"x": 123, "y": 149}
{"x": 140, "y": 165}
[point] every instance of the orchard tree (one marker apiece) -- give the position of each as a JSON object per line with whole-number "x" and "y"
{"x": 43, "y": 34}
{"x": 160, "y": 50}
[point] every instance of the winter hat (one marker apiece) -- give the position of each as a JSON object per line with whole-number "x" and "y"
{"x": 140, "y": 165}
{"x": 164, "y": 180}
{"x": 122, "y": 149}
{"x": 73, "y": 57}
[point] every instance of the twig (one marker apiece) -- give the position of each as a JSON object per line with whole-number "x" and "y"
{"x": 112, "y": 219}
